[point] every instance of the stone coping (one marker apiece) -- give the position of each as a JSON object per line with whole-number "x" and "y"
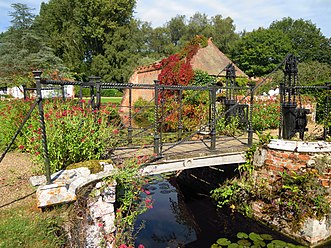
{"x": 65, "y": 183}
{"x": 300, "y": 146}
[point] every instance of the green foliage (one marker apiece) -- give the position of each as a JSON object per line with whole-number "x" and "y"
{"x": 266, "y": 114}
{"x": 310, "y": 73}
{"x": 260, "y": 51}
{"x": 111, "y": 93}
{"x": 86, "y": 92}
{"x": 91, "y": 36}
{"x": 143, "y": 113}
{"x": 307, "y": 40}
{"x": 294, "y": 197}
{"x": 235, "y": 194}
{"x": 19, "y": 229}
{"x": 298, "y": 196}
{"x": 202, "y": 78}
{"x": 228, "y": 127}
{"x": 23, "y": 49}
{"x": 254, "y": 240}
{"x": 74, "y": 133}
{"x": 132, "y": 198}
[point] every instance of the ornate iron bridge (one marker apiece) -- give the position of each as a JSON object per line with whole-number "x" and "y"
{"x": 186, "y": 147}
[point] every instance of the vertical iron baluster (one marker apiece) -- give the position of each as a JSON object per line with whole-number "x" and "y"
{"x": 24, "y": 92}
{"x": 37, "y": 77}
{"x": 81, "y": 94}
{"x": 63, "y": 93}
{"x": 250, "y": 123}
{"x": 180, "y": 123}
{"x": 281, "y": 101}
{"x": 156, "y": 119}
{"x": 213, "y": 121}
{"x": 98, "y": 92}
{"x": 130, "y": 130}
{"x": 326, "y": 129}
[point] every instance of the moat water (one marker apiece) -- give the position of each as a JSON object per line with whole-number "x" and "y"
{"x": 182, "y": 217}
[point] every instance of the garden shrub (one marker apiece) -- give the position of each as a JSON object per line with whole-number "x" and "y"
{"x": 293, "y": 197}
{"x": 143, "y": 113}
{"x": 74, "y": 132}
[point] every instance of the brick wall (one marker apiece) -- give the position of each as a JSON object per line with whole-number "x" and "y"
{"x": 275, "y": 161}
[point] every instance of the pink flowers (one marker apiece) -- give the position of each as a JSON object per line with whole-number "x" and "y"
{"x": 115, "y": 131}
{"x": 125, "y": 246}
{"x": 21, "y": 147}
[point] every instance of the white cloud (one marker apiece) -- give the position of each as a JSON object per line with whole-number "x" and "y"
{"x": 247, "y": 14}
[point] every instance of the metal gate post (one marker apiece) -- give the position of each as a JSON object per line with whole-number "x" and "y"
{"x": 92, "y": 100}
{"x": 81, "y": 94}
{"x": 281, "y": 101}
{"x": 156, "y": 119}
{"x": 37, "y": 77}
{"x": 98, "y": 91}
{"x": 326, "y": 130}
{"x": 130, "y": 116}
{"x": 24, "y": 92}
{"x": 213, "y": 117}
{"x": 180, "y": 123}
{"x": 250, "y": 123}
{"x": 63, "y": 93}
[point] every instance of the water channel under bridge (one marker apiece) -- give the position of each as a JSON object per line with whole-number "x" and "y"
{"x": 190, "y": 154}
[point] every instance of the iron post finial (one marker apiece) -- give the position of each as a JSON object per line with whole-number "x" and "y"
{"x": 37, "y": 74}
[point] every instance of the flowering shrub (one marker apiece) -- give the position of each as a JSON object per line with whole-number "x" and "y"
{"x": 266, "y": 113}
{"x": 132, "y": 200}
{"x": 74, "y": 132}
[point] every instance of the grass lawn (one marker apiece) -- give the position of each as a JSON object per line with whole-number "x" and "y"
{"x": 22, "y": 224}
{"x": 113, "y": 99}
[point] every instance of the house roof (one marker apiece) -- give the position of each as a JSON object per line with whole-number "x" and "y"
{"x": 209, "y": 59}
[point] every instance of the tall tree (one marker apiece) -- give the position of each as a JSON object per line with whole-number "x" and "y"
{"x": 177, "y": 28}
{"x": 22, "y": 17}
{"x": 21, "y": 50}
{"x": 223, "y": 33}
{"x": 260, "y": 51}
{"x": 307, "y": 40}
{"x": 79, "y": 29}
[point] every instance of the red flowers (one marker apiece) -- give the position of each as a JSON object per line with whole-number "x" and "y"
{"x": 115, "y": 131}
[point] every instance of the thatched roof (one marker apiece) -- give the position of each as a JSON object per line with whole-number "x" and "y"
{"x": 209, "y": 59}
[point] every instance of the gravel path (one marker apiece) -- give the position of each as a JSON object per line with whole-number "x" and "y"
{"x": 15, "y": 171}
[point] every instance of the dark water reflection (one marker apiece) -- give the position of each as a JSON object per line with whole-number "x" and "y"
{"x": 181, "y": 217}
{"x": 168, "y": 223}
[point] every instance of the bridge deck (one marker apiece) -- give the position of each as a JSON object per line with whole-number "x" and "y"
{"x": 191, "y": 154}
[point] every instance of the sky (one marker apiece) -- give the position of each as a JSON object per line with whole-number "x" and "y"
{"x": 246, "y": 14}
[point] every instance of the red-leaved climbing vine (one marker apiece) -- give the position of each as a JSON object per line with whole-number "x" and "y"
{"x": 177, "y": 68}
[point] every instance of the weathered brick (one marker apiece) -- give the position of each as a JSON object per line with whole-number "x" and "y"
{"x": 293, "y": 156}
{"x": 304, "y": 157}
{"x": 276, "y": 168}
{"x": 269, "y": 162}
{"x": 325, "y": 182}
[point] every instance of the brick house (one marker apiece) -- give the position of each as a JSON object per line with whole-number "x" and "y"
{"x": 208, "y": 59}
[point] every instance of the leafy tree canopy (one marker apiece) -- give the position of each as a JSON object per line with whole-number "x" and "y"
{"x": 307, "y": 40}
{"x": 260, "y": 51}
{"x": 23, "y": 50}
